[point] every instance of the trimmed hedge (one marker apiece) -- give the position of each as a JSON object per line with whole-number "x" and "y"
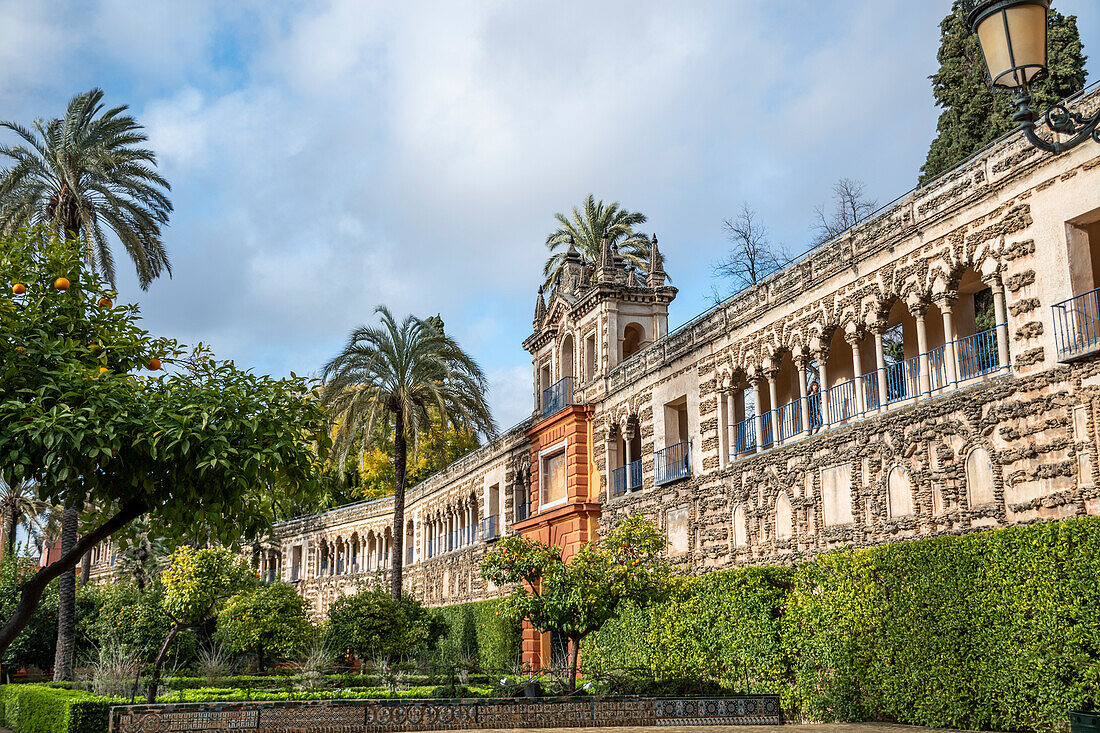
{"x": 480, "y": 631}
{"x": 992, "y": 630}
{"x": 30, "y": 708}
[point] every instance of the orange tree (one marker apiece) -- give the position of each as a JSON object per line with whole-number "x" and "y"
{"x": 576, "y": 598}
{"x": 86, "y": 413}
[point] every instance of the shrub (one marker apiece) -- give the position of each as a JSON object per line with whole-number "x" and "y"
{"x": 42, "y": 709}
{"x": 371, "y": 623}
{"x": 481, "y": 632}
{"x": 268, "y": 621}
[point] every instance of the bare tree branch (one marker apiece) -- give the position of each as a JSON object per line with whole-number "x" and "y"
{"x": 850, "y": 206}
{"x": 752, "y": 256}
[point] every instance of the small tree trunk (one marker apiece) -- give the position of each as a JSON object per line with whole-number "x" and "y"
{"x": 85, "y": 568}
{"x": 154, "y": 685}
{"x": 66, "y": 609}
{"x": 11, "y": 521}
{"x": 574, "y": 649}
{"x": 400, "y": 456}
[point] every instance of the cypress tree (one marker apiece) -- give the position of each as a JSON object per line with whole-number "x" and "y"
{"x": 973, "y": 114}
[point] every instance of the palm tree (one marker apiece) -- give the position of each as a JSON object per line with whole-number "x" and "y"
{"x": 403, "y": 378}
{"x": 585, "y": 229}
{"x": 85, "y": 173}
{"x": 19, "y": 508}
{"x": 76, "y": 176}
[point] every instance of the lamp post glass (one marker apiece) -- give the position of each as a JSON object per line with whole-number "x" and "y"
{"x": 1013, "y": 37}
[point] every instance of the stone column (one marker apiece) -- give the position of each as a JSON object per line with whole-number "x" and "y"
{"x": 880, "y": 364}
{"x": 773, "y": 396}
{"x": 946, "y": 303}
{"x": 629, "y": 456}
{"x": 731, "y": 412}
{"x": 1000, "y": 313}
{"x": 918, "y": 310}
{"x": 853, "y": 340}
{"x": 803, "y": 393}
{"x": 724, "y": 417}
{"x": 754, "y": 380}
{"x": 822, "y": 357}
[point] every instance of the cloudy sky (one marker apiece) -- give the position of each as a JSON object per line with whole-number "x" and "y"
{"x": 326, "y": 157}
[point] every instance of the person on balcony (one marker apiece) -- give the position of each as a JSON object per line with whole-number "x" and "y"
{"x": 814, "y": 399}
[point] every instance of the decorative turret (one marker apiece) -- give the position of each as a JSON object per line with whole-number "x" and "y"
{"x": 656, "y": 266}
{"x": 607, "y": 260}
{"x": 572, "y": 274}
{"x": 540, "y": 309}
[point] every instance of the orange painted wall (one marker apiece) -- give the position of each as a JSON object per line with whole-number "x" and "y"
{"x": 572, "y": 523}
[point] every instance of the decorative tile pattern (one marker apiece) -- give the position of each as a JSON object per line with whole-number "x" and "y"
{"x": 398, "y": 716}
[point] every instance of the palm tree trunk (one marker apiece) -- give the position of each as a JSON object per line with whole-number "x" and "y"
{"x": 397, "y": 551}
{"x": 85, "y": 568}
{"x": 66, "y": 609}
{"x": 11, "y": 521}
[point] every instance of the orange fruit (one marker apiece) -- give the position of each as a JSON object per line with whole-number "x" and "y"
{"x": 19, "y": 349}
{"x": 61, "y": 283}
{"x": 19, "y": 288}
{"x": 106, "y": 303}
{"x": 154, "y": 364}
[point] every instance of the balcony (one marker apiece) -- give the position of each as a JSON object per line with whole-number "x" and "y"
{"x": 626, "y": 478}
{"x": 294, "y": 577}
{"x": 671, "y": 463}
{"x": 1077, "y": 326}
{"x": 557, "y": 396}
{"x": 523, "y": 511}
{"x": 490, "y": 528}
{"x": 931, "y": 374}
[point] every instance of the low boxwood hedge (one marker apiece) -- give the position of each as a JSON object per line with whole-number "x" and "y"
{"x": 32, "y": 708}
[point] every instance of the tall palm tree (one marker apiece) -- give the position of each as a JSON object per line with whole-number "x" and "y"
{"x": 585, "y": 228}
{"x": 84, "y": 173}
{"x": 19, "y": 508}
{"x": 403, "y": 378}
{"x": 79, "y": 175}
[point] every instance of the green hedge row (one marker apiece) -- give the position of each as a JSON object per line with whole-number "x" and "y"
{"x": 479, "y": 632}
{"x": 29, "y": 708}
{"x": 993, "y": 630}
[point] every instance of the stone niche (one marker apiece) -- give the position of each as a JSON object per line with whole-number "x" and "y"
{"x": 836, "y": 494}
{"x": 676, "y": 524}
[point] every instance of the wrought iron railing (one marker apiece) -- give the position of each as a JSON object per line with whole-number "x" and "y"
{"x": 634, "y": 475}
{"x": 294, "y": 574}
{"x": 790, "y": 419}
{"x": 557, "y": 396}
{"x": 842, "y": 401}
{"x": 523, "y": 511}
{"x": 1077, "y": 325}
{"x": 671, "y": 463}
{"x": 977, "y": 355}
{"x": 490, "y": 528}
{"x": 903, "y": 380}
{"x": 744, "y": 437}
{"x": 409, "y": 556}
{"x": 938, "y": 377}
{"x": 869, "y": 384}
{"x": 618, "y": 481}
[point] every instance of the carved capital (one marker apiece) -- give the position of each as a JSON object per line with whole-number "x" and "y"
{"x": 918, "y": 307}
{"x": 993, "y": 280}
{"x": 946, "y": 299}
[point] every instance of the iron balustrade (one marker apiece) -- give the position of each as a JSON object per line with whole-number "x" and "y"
{"x": 490, "y": 527}
{"x": 977, "y": 355}
{"x": 1077, "y": 325}
{"x": 744, "y": 437}
{"x": 842, "y": 401}
{"x": 634, "y": 475}
{"x": 523, "y": 511}
{"x": 869, "y": 385}
{"x": 618, "y": 481}
{"x": 557, "y": 396}
{"x": 294, "y": 574}
{"x": 937, "y": 368}
{"x": 766, "y": 429}
{"x": 271, "y": 576}
{"x": 671, "y": 463}
{"x": 790, "y": 419}
{"x": 903, "y": 380}
{"x": 409, "y": 556}
{"x": 386, "y": 560}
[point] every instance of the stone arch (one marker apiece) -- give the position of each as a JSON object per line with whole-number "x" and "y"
{"x": 899, "y": 493}
{"x": 980, "y": 489}
{"x": 566, "y": 361}
{"x": 740, "y": 527}
{"x": 633, "y": 339}
{"x": 784, "y": 517}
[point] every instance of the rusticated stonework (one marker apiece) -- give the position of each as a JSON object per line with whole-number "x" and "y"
{"x": 952, "y": 336}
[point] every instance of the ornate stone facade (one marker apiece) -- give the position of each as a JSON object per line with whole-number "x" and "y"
{"x": 929, "y": 371}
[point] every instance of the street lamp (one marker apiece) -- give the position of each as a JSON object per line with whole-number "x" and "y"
{"x": 1013, "y": 37}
